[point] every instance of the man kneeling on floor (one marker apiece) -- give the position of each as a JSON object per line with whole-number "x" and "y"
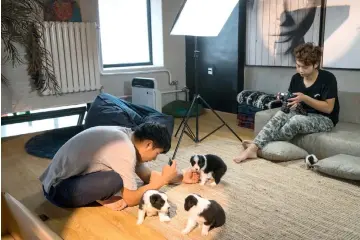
{"x": 100, "y": 164}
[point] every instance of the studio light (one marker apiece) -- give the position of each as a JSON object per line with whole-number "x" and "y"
{"x": 200, "y": 18}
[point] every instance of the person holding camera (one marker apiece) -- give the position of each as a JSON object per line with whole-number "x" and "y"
{"x": 100, "y": 164}
{"x": 315, "y": 89}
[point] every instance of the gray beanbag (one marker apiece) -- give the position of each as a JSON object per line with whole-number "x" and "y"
{"x": 282, "y": 151}
{"x": 341, "y": 165}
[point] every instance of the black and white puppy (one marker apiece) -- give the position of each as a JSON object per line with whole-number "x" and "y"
{"x": 310, "y": 160}
{"x": 152, "y": 203}
{"x": 209, "y": 166}
{"x": 203, "y": 211}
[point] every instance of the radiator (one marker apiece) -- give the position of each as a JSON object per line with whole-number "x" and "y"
{"x": 74, "y": 51}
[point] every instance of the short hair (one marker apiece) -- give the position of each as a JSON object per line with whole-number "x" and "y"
{"x": 308, "y": 53}
{"x": 156, "y": 132}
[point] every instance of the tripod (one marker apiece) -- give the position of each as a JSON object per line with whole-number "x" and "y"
{"x": 195, "y": 102}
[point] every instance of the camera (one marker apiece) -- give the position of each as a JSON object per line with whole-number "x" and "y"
{"x": 170, "y": 162}
{"x": 284, "y": 97}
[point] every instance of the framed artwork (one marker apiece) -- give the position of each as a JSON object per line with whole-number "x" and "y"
{"x": 276, "y": 27}
{"x": 62, "y": 10}
{"x": 342, "y": 34}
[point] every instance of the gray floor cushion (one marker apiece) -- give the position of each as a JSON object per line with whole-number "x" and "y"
{"x": 344, "y": 138}
{"x": 282, "y": 151}
{"x": 341, "y": 165}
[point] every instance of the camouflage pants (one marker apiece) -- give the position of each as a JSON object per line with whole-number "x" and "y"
{"x": 284, "y": 127}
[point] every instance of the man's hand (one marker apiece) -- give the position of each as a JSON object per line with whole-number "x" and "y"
{"x": 169, "y": 172}
{"x": 133, "y": 197}
{"x": 298, "y": 99}
{"x": 115, "y": 203}
{"x": 190, "y": 177}
{"x": 278, "y": 96}
{"x": 293, "y": 107}
{"x": 326, "y": 106}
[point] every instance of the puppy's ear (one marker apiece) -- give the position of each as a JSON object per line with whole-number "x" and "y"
{"x": 154, "y": 198}
{"x": 157, "y": 201}
{"x": 190, "y": 201}
{"x": 201, "y": 161}
{"x": 192, "y": 161}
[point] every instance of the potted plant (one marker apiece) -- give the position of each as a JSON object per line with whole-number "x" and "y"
{"x": 22, "y": 24}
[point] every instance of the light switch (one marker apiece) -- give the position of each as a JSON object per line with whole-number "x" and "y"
{"x": 210, "y": 71}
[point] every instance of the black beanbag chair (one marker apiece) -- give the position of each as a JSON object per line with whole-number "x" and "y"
{"x": 109, "y": 110}
{"x": 106, "y": 110}
{"x": 46, "y": 145}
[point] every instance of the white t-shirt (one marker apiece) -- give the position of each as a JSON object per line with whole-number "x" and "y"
{"x": 101, "y": 148}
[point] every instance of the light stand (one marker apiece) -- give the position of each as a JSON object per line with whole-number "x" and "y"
{"x": 185, "y": 16}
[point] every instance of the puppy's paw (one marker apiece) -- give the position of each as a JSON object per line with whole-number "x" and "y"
{"x": 213, "y": 184}
{"x": 185, "y": 231}
{"x": 139, "y": 221}
{"x": 165, "y": 219}
{"x": 151, "y": 214}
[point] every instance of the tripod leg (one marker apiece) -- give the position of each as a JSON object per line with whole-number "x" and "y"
{"x": 224, "y": 123}
{"x": 182, "y": 121}
{"x": 191, "y": 134}
{"x": 185, "y": 125}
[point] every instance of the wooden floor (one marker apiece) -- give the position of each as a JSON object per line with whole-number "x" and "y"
{"x": 20, "y": 172}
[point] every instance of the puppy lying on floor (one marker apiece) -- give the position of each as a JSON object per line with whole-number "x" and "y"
{"x": 153, "y": 203}
{"x": 209, "y": 166}
{"x": 203, "y": 211}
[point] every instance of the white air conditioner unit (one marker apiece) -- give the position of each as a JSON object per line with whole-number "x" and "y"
{"x": 145, "y": 92}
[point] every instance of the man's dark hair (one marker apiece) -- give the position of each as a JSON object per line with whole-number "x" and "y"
{"x": 308, "y": 53}
{"x": 155, "y": 132}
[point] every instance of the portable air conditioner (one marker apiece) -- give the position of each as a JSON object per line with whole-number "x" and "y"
{"x": 145, "y": 92}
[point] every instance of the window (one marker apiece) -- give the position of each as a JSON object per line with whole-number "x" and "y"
{"x": 125, "y": 30}
{"x": 50, "y": 118}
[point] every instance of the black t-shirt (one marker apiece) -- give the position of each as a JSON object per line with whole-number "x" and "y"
{"x": 325, "y": 87}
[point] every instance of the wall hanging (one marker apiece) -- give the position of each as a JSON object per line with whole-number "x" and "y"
{"x": 342, "y": 34}
{"x": 276, "y": 27}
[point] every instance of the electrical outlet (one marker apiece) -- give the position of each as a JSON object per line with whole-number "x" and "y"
{"x": 210, "y": 71}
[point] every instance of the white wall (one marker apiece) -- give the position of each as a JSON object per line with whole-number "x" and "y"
{"x": 18, "y": 97}
{"x": 276, "y": 79}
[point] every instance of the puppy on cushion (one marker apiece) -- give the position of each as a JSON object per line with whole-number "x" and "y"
{"x": 209, "y": 166}
{"x": 152, "y": 203}
{"x": 203, "y": 211}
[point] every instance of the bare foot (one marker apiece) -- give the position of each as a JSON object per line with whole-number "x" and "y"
{"x": 249, "y": 153}
{"x": 247, "y": 143}
{"x": 115, "y": 203}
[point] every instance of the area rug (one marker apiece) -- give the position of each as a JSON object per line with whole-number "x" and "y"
{"x": 264, "y": 200}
